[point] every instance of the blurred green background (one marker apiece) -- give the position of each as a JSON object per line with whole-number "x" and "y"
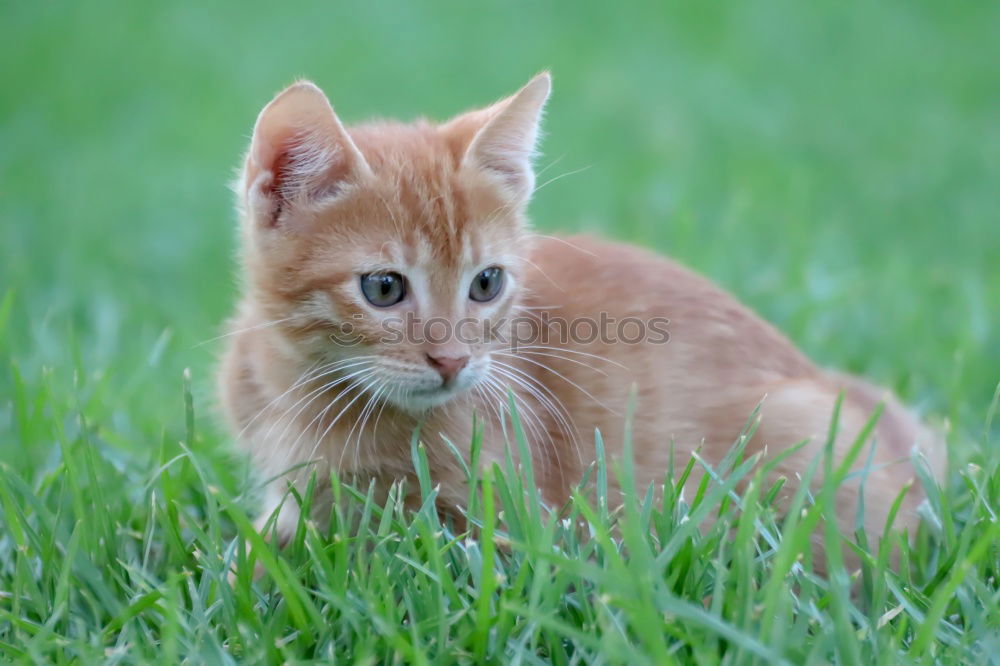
{"x": 834, "y": 164}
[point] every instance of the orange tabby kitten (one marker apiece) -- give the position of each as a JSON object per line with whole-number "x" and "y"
{"x": 391, "y": 279}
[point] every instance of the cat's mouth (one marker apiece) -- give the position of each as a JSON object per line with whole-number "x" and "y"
{"x": 423, "y": 399}
{"x": 421, "y": 393}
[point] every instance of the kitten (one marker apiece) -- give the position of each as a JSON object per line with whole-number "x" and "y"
{"x": 357, "y": 243}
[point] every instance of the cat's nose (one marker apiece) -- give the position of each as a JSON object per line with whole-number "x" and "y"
{"x": 447, "y": 366}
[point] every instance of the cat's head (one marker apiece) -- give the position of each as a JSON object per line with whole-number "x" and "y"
{"x": 389, "y": 248}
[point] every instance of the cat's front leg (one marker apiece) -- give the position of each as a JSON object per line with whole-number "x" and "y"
{"x": 280, "y": 515}
{"x": 278, "y": 519}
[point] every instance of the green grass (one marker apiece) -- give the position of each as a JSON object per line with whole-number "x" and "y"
{"x": 833, "y": 164}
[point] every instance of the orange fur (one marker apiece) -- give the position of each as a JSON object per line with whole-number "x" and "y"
{"x": 322, "y": 205}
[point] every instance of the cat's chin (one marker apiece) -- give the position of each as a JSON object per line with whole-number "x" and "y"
{"x": 419, "y": 402}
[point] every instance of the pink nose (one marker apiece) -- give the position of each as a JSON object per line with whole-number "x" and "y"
{"x": 447, "y": 366}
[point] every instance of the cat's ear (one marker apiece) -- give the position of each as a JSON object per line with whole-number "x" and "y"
{"x": 505, "y": 143}
{"x": 300, "y": 152}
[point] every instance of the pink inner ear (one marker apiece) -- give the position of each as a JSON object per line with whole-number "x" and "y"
{"x": 304, "y": 167}
{"x": 279, "y": 170}
{"x": 505, "y": 157}
{"x": 508, "y": 160}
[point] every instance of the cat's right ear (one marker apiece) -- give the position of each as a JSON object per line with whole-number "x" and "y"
{"x": 300, "y": 152}
{"x": 503, "y": 142}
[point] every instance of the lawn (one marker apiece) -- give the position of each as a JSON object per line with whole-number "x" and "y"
{"x": 833, "y": 164}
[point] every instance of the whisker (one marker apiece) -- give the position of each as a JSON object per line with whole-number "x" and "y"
{"x": 392, "y": 216}
{"x": 571, "y": 383}
{"x": 548, "y": 443}
{"x": 243, "y": 330}
{"x": 549, "y": 355}
{"x": 563, "y": 175}
{"x": 323, "y": 371}
{"x": 366, "y": 412}
{"x": 357, "y": 378}
{"x": 541, "y": 393}
{"x": 528, "y": 413}
{"x": 546, "y": 397}
{"x": 362, "y": 418}
{"x": 385, "y": 401}
{"x": 488, "y": 403}
{"x": 337, "y": 417}
{"x": 303, "y": 379}
{"x": 310, "y": 398}
{"x": 543, "y": 273}
{"x": 548, "y": 166}
{"x": 354, "y": 378}
{"x": 565, "y": 242}
{"x": 346, "y": 364}
{"x": 568, "y": 350}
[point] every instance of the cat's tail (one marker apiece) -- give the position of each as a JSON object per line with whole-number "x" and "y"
{"x": 802, "y": 407}
{"x": 898, "y": 426}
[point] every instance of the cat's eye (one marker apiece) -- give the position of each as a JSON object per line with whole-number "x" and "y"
{"x": 487, "y": 285}
{"x": 383, "y": 289}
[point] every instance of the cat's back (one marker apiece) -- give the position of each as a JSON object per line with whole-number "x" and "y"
{"x": 582, "y": 277}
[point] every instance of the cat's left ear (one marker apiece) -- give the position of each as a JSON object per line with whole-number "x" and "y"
{"x": 505, "y": 143}
{"x": 300, "y": 152}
